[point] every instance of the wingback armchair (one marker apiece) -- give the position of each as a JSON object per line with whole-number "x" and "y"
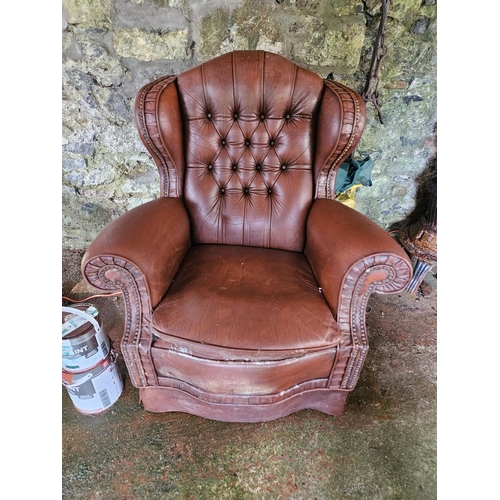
{"x": 245, "y": 284}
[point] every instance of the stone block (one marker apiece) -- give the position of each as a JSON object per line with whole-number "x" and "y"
{"x": 150, "y": 15}
{"x": 88, "y": 12}
{"x": 243, "y": 28}
{"x": 148, "y": 46}
{"x": 70, "y": 164}
{"x": 102, "y": 174}
{"x": 334, "y": 48}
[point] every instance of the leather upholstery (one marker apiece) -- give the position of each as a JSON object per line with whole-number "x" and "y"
{"x": 154, "y": 237}
{"x": 244, "y": 298}
{"x": 248, "y": 118}
{"x": 245, "y": 284}
{"x": 340, "y": 123}
{"x": 160, "y": 126}
{"x": 242, "y": 378}
{"x": 331, "y": 255}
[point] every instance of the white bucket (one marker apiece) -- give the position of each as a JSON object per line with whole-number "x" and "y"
{"x": 97, "y": 389}
{"x": 84, "y": 341}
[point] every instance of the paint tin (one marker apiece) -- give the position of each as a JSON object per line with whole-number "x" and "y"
{"x": 85, "y": 344}
{"x": 95, "y": 390}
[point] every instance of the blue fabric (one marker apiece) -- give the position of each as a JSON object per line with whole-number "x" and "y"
{"x": 353, "y": 172}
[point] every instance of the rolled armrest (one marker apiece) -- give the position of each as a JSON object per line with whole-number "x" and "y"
{"x": 343, "y": 244}
{"x": 153, "y": 238}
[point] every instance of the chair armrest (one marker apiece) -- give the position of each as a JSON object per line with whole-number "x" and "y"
{"x": 350, "y": 254}
{"x": 152, "y": 239}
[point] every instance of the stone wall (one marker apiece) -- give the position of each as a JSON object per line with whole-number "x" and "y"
{"x": 113, "y": 47}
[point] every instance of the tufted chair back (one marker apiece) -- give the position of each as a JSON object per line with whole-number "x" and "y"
{"x": 237, "y": 138}
{"x": 249, "y": 144}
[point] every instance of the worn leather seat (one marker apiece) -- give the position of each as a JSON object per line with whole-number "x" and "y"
{"x": 245, "y": 283}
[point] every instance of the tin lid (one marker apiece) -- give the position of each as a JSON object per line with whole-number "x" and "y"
{"x": 74, "y": 325}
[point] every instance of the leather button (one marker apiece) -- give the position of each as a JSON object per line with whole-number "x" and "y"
{"x": 269, "y": 191}
{"x": 235, "y": 116}
{"x": 262, "y": 116}
{"x": 283, "y": 167}
{"x": 258, "y": 167}
{"x": 272, "y": 143}
{"x": 246, "y": 190}
{"x": 235, "y": 167}
{"x": 223, "y": 142}
{"x": 210, "y": 166}
{"x": 287, "y": 117}
{"x": 209, "y": 116}
{"x": 222, "y": 190}
{"x": 247, "y": 142}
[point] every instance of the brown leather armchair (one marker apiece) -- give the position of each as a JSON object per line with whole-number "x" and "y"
{"x": 245, "y": 284}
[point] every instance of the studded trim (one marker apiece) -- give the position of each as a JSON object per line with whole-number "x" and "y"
{"x": 112, "y": 273}
{"x": 350, "y": 133}
{"x": 147, "y": 123}
{"x": 377, "y": 273}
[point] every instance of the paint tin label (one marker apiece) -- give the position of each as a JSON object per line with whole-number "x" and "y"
{"x": 90, "y": 347}
{"x": 97, "y": 389}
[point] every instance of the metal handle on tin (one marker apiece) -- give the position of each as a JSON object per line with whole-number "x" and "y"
{"x": 83, "y": 314}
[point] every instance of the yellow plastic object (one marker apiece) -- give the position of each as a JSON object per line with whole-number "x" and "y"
{"x": 347, "y": 197}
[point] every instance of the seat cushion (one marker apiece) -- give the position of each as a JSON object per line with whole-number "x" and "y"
{"x": 245, "y": 298}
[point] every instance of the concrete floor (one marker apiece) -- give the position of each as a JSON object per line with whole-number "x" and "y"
{"x": 383, "y": 447}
